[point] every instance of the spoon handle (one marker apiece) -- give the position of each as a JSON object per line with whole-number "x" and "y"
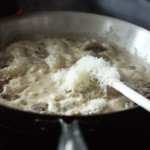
{"x": 132, "y": 95}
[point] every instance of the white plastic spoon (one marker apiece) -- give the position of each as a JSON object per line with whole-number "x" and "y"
{"x": 85, "y": 70}
{"x": 132, "y": 95}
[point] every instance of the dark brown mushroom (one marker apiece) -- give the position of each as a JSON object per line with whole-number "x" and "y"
{"x": 3, "y": 80}
{"x": 10, "y": 97}
{"x": 94, "y": 46}
{"x": 6, "y": 61}
{"x": 38, "y": 107}
{"x": 41, "y": 52}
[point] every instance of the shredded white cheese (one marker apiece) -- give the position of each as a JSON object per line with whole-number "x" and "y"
{"x": 85, "y": 72}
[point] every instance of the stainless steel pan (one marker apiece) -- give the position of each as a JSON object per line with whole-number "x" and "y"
{"x": 123, "y": 35}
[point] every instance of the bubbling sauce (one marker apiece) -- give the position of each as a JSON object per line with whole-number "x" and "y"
{"x": 28, "y": 69}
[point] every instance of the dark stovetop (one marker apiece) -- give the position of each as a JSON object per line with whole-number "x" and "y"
{"x": 94, "y": 141}
{"x": 126, "y": 135}
{"x": 135, "y": 137}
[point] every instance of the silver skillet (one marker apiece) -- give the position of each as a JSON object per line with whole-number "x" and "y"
{"x": 123, "y": 35}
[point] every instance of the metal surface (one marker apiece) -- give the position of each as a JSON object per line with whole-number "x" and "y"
{"x": 125, "y": 35}
{"x": 71, "y": 137}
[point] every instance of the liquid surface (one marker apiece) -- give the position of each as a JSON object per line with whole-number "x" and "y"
{"x": 27, "y": 69}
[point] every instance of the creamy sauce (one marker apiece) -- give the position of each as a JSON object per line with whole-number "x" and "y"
{"x": 27, "y": 69}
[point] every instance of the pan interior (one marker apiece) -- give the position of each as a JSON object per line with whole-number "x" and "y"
{"x": 109, "y": 33}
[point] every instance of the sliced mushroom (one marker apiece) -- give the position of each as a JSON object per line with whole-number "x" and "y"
{"x": 39, "y": 107}
{"x": 41, "y": 52}
{"x": 94, "y": 46}
{"x": 4, "y": 80}
{"x": 6, "y": 61}
{"x": 10, "y": 97}
{"x": 147, "y": 95}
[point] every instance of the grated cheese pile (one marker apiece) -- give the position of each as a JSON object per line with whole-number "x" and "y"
{"x": 86, "y": 72}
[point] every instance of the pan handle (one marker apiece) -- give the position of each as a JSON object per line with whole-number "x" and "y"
{"x": 71, "y": 137}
